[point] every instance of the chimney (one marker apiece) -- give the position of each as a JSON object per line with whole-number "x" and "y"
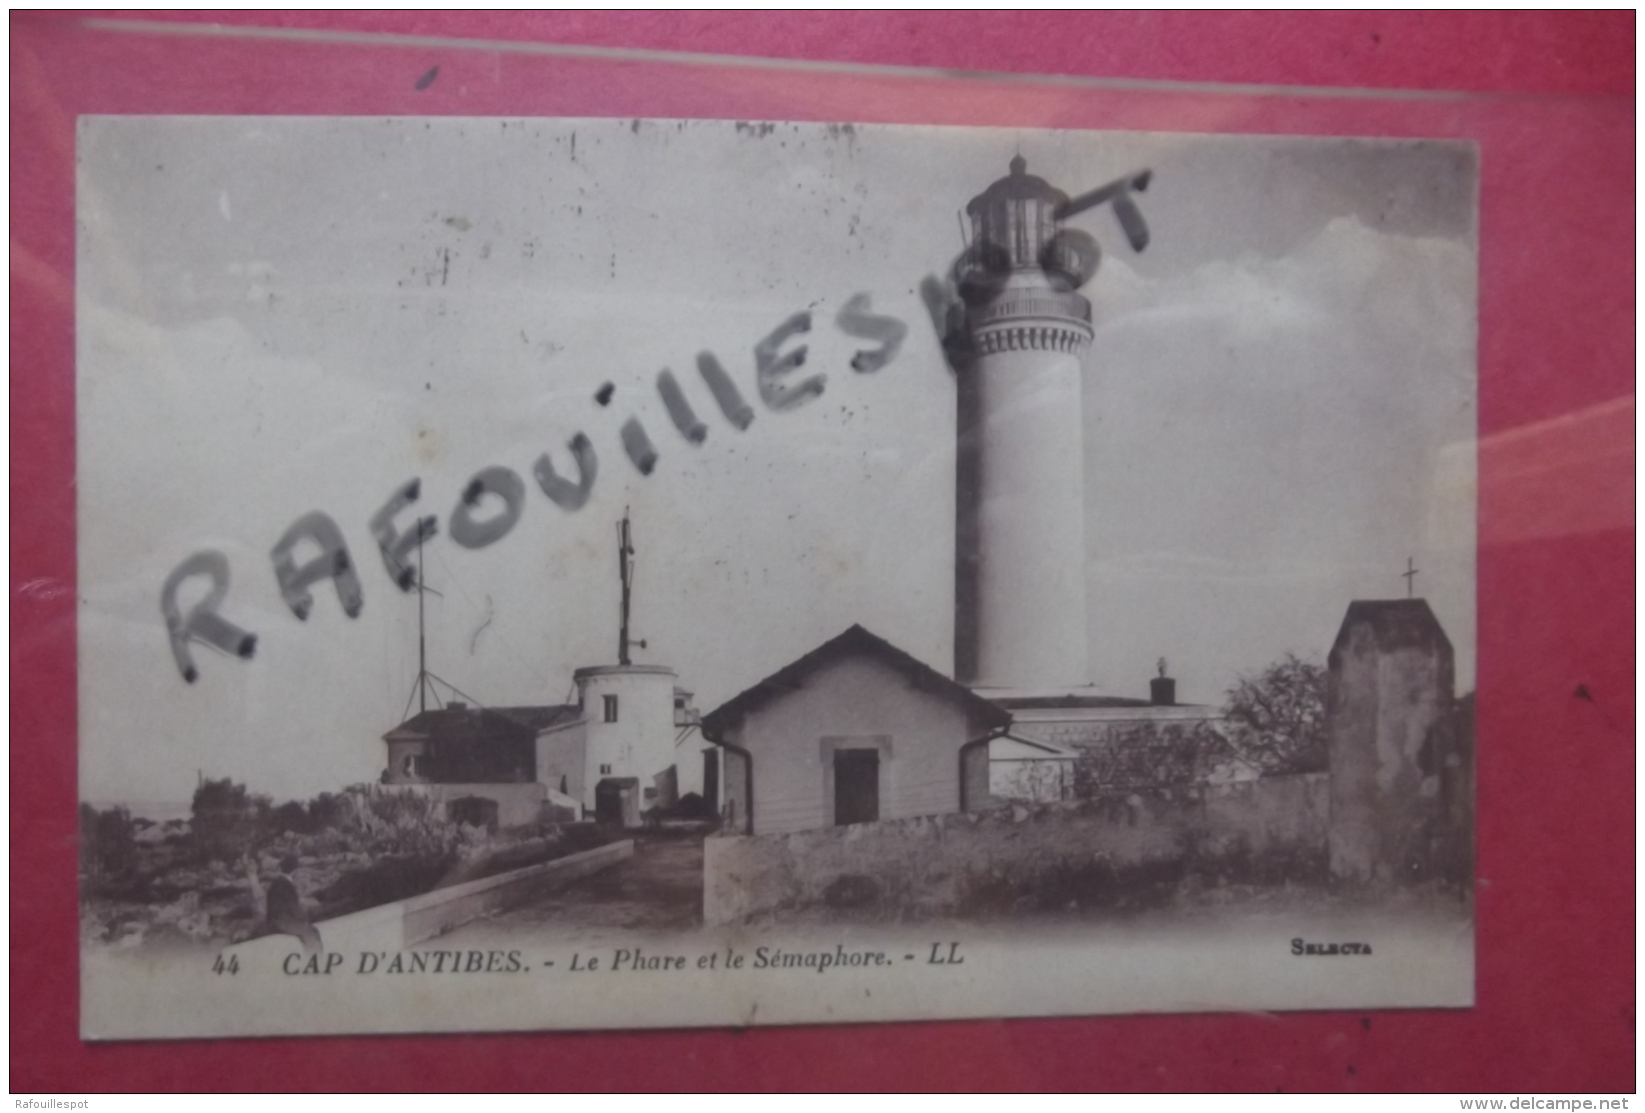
{"x": 1162, "y": 689}
{"x": 456, "y": 705}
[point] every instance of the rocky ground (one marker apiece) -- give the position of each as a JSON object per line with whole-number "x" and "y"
{"x": 174, "y": 897}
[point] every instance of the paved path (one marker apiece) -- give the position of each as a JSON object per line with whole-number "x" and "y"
{"x": 660, "y": 888}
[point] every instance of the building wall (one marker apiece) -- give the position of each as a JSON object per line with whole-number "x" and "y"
{"x": 688, "y": 761}
{"x": 1271, "y": 830}
{"x": 975, "y": 773}
{"x": 640, "y": 744}
{"x": 690, "y": 746}
{"x": 396, "y": 773}
{"x": 562, "y": 753}
{"x": 1041, "y": 780}
{"x": 517, "y": 804}
{"x": 851, "y": 703}
{"x": 1018, "y": 770}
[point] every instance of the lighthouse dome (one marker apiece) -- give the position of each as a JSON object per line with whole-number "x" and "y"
{"x": 1012, "y": 223}
{"x": 1019, "y": 185}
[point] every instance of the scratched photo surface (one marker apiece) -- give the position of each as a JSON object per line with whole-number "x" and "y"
{"x": 619, "y": 573}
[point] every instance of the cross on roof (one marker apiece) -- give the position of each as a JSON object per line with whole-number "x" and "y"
{"x": 1410, "y": 575}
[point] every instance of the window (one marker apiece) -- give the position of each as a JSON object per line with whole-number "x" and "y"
{"x": 411, "y": 766}
{"x": 610, "y": 709}
{"x": 606, "y": 769}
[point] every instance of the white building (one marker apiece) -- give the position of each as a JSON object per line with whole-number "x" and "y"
{"x": 615, "y": 754}
{"x": 610, "y": 755}
{"x": 856, "y": 731}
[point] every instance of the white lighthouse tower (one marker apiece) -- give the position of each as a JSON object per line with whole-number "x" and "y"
{"x": 1020, "y": 596}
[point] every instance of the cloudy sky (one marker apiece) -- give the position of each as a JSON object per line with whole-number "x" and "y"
{"x": 279, "y": 316}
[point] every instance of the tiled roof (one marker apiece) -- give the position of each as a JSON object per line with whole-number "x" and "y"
{"x": 485, "y": 722}
{"x": 854, "y": 641}
{"x": 1072, "y": 700}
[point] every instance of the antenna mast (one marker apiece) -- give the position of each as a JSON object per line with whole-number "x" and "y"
{"x": 625, "y": 571}
{"x": 422, "y": 637}
{"x": 425, "y": 679}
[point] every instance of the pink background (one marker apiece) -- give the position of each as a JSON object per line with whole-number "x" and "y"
{"x": 1556, "y": 772}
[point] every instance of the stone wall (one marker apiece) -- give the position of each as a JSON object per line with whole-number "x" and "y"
{"x": 1049, "y": 854}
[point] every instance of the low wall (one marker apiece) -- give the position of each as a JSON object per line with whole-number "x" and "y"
{"x": 404, "y": 923}
{"x": 1272, "y": 829}
{"x": 517, "y": 804}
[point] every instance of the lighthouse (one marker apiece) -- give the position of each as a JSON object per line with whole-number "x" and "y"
{"x": 1020, "y": 543}
{"x": 1020, "y": 590}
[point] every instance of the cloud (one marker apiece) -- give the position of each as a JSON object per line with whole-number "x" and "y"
{"x": 1272, "y": 436}
{"x": 1349, "y": 278}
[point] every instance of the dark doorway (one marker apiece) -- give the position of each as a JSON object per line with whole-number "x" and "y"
{"x": 475, "y": 811}
{"x": 616, "y": 801}
{"x": 711, "y": 781}
{"x": 856, "y": 786}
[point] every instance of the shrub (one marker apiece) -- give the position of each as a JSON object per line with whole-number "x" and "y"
{"x": 1277, "y": 717}
{"x": 108, "y": 843}
{"x": 405, "y": 823}
{"x": 292, "y": 817}
{"x": 329, "y": 809}
{"x": 1148, "y": 757}
{"x": 227, "y": 821}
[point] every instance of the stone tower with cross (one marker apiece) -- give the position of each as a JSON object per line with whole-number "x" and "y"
{"x": 1390, "y": 711}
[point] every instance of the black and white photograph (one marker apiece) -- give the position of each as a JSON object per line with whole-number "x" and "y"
{"x": 618, "y": 573}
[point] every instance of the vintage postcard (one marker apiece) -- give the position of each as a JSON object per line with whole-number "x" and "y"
{"x": 547, "y": 573}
